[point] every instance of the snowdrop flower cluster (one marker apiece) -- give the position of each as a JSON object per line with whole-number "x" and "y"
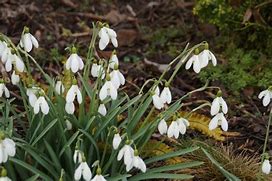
{"x": 218, "y": 109}
{"x": 4, "y": 89}
{"x": 38, "y": 103}
{"x": 177, "y": 127}
{"x": 7, "y": 148}
{"x": 106, "y": 35}
{"x": 266, "y": 167}
{"x": 266, "y": 95}
{"x": 72, "y": 93}
{"x": 131, "y": 158}
{"x": 201, "y": 60}
{"x": 74, "y": 62}
{"x": 28, "y": 41}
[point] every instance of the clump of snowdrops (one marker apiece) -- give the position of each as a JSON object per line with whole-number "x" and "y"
{"x": 67, "y": 128}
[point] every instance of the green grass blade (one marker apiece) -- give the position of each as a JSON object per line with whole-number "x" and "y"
{"x": 68, "y": 143}
{"x": 147, "y": 176}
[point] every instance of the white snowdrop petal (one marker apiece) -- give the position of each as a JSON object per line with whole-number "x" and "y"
{"x": 224, "y": 105}
{"x": 121, "y": 154}
{"x": 27, "y": 42}
{"x": 87, "y": 174}
{"x": 197, "y": 65}
{"x": 103, "y": 92}
{"x": 116, "y": 141}
{"x": 104, "y": 39}
{"x": 20, "y": 66}
{"x": 9, "y": 146}
{"x": 102, "y": 109}
{"x": 214, "y": 61}
{"x": 70, "y": 107}
{"x": 204, "y": 58}
{"x": 44, "y": 106}
{"x": 157, "y": 102}
{"x": 215, "y": 106}
{"x": 266, "y": 167}
{"x": 162, "y": 127}
{"x": 7, "y": 94}
{"x": 70, "y": 96}
{"x": 224, "y": 123}
{"x": 94, "y": 70}
{"x": 36, "y": 107}
{"x": 111, "y": 32}
{"x": 80, "y": 62}
{"x": 121, "y": 78}
{"x": 15, "y": 79}
{"x": 74, "y": 63}
{"x": 213, "y": 123}
{"x": 78, "y": 172}
{"x": 79, "y": 95}
{"x": 113, "y": 60}
{"x": 113, "y": 92}
{"x": 266, "y": 99}
{"x": 262, "y": 94}
{"x": 189, "y": 62}
{"x": 114, "y": 42}
{"x": 34, "y": 41}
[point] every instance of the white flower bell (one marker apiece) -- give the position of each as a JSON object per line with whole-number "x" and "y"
{"x": 72, "y": 93}
{"x": 177, "y": 127}
{"x": 166, "y": 95}
{"x": 15, "y": 79}
{"x": 97, "y": 70}
{"x": 28, "y": 41}
{"x": 183, "y": 124}
{"x": 205, "y": 56}
{"x": 266, "y": 95}
{"x": 157, "y": 102}
{"x": 108, "y": 89}
{"x": 41, "y": 104}
{"x": 113, "y": 60}
{"x": 137, "y": 162}
{"x": 59, "y": 87}
{"x": 3, "y": 46}
{"x": 218, "y": 103}
{"x": 77, "y": 157}
{"x": 3, "y": 89}
{"x": 83, "y": 170}
{"x": 74, "y": 62}
{"x": 218, "y": 119}
{"x": 128, "y": 153}
{"x": 117, "y": 78}
{"x": 7, "y": 148}
{"x": 106, "y": 34}
{"x": 17, "y": 61}
{"x": 162, "y": 127}
{"x": 195, "y": 61}
{"x": 266, "y": 167}
{"x": 116, "y": 141}
{"x": 102, "y": 109}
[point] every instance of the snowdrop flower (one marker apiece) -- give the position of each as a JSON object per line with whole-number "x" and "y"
{"x": 195, "y": 61}
{"x": 77, "y": 156}
{"x": 41, "y": 104}
{"x": 3, "y": 46}
{"x": 97, "y": 70}
{"x": 107, "y": 34}
{"x": 108, "y": 89}
{"x": 69, "y": 125}
{"x": 72, "y": 93}
{"x": 28, "y": 41}
{"x": 5, "y": 179}
{"x": 157, "y": 102}
{"x": 166, "y": 95}
{"x": 128, "y": 153}
{"x": 266, "y": 167}
{"x": 3, "y": 89}
{"x": 218, "y": 103}
{"x": 59, "y": 87}
{"x": 218, "y": 119}
{"x": 15, "y": 79}
{"x": 14, "y": 59}
{"x": 7, "y": 148}
{"x": 117, "y": 78}
{"x": 137, "y": 162}
{"x": 266, "y": 95}
{"x": 173, "y": 130}
{"x": 116, "y": 141}
{"x": 5, "y": 54}
{"x": 113, "y": 60}
{"x": 182, "y": 124}
{"x": 32, "y": 98}
{"x": 102, "y": 109}
{"x": 205, "y": 56}
{"x": 74, "y": 62}
{"x": 162, "y": 127}
{"x": 83, "y": 170}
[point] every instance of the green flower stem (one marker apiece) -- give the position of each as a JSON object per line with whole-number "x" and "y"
{"x": 267, "y": 134}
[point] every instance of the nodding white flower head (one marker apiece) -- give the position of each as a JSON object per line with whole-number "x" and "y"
{"x": 41, "y": 104}
{"x": 72, "y": 93}
{"x": 127, "y": 152}
{"x": 83, "y": 170}
{"x": 68, "y": 124}
{"x": 113, "y": 60}
{"x": 3, "y": 46}
{"x": 17, "y": 61}
{"x": 15, "y": 79}
{"x": 117, "y": 78}
{"x": 162, "y": 127}
{"x": 137, "y": 162}
{"x": 7, "y": 148}
{"x": 207, "y": 55}
{"x": 77, "y": 156}
{"x": 31, "y": 93}
{"x": 99, "y": 178}
{"x": 166, "y": 95}
{"x": 5, "y": 179}
{"x": 74, "y": 62}
{"x": 5, "y": 54}
{"x": 178, "y": 126}
{"x": 195, "y": 61}
{"x": 97, "y": 70}
{"x": 218, "y": 119}
{"x": 102, "y": 109}
{"x": 108, "y": 89}
{"x": 157, "y": 102}
{"x": 116, "y": 141}
{"x": 218, "y": 103}
{"x": 3, "y": 89}
{"x": 59, "y": 87}
{"x": 28, "y": 41}
{"x": 266, "y": 95}
{"x": 106, "y": 35}
{"x": 266, "y": 167}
